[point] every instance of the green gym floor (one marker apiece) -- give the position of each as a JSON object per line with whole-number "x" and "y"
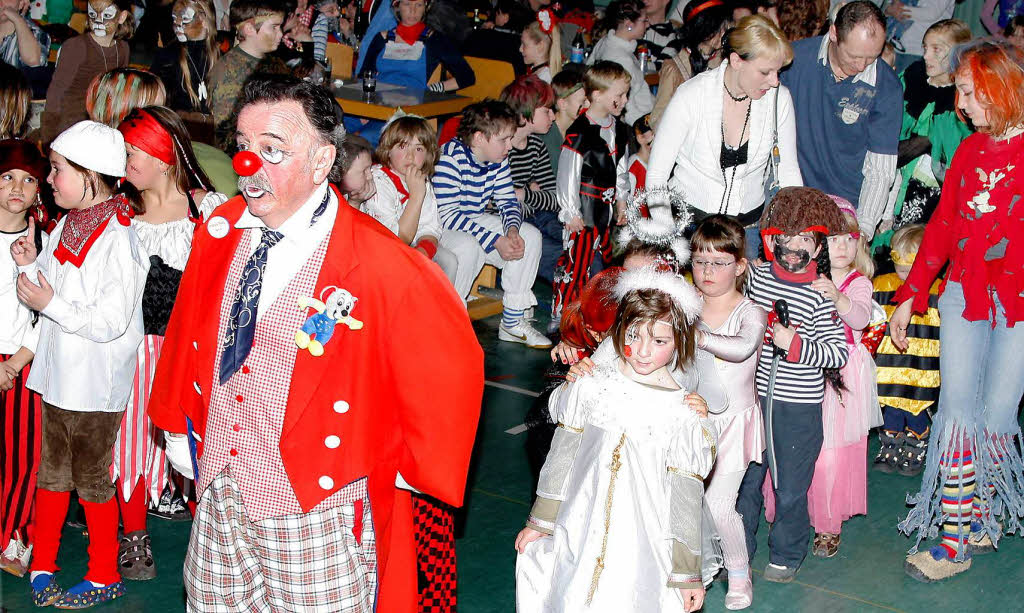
{"x": 866, "y": 575}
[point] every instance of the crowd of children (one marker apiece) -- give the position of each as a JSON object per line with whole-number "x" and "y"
{"x": 761, "y": 380}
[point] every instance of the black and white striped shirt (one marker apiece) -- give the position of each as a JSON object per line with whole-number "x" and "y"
{"x": 822, "y": 343}
{"x": 534, "y": 164}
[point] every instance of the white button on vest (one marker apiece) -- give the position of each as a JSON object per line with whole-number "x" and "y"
{"x": 332, "y": 442}
{"x": 196, "y": 386}
{"x": 341, "y": 407}
{"x": 326, "y": 482}
{"x": 195, "y": 345}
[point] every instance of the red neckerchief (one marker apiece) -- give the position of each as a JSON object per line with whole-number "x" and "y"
{"x": 796, "y": 277}
{"x": 410, "y": 34}
{"x": 84, "y": 226}
{"x": 404, "y": 193}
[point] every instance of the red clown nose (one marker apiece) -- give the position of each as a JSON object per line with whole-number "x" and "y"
{"x": 246, "y": 163}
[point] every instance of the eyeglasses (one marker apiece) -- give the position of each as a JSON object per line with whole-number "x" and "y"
{"x": 715, "y": 266}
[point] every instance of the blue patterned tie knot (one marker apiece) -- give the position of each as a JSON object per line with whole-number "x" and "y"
{"x": 242, "y": 319}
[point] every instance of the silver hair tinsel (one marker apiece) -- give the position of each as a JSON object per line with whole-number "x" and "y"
{"x": 654, "y": 232}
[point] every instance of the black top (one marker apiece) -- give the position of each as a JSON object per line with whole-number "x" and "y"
{"x": 166, "y": 66}
{"x": 733, "y": 157}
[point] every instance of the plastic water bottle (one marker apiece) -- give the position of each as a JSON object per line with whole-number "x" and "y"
{"x": 578, "y": 52}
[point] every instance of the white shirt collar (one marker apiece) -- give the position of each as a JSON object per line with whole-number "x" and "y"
{"x": 296, "y": 225}
{"x": 867, "y": 75}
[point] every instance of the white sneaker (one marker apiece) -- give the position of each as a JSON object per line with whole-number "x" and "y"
{"x": 525, "y": 334}
{"x": 15, "y": 558}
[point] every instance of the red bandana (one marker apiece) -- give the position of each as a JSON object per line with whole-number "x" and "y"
{"x": 410, "y": 34}
{"x": 84, "y": 226}
{"x": 142, "y": 130}
{"x": 398, "y": 183}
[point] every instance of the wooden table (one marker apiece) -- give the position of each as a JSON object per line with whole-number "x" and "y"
{"x": 383, "y": 103}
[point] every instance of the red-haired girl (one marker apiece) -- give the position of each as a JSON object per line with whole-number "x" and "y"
{"x": 973, "y": 482}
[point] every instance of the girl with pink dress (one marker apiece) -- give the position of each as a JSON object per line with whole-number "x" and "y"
{"x": 839, "y": 489}
{"x": 731, "y": 329}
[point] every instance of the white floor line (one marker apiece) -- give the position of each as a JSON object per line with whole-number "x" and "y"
{"x": 516, "y": 430}
{"x": 512, "y": 388}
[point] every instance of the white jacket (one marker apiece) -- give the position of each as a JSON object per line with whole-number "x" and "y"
{"x": 689, "y": 138}
{"x": 91, "y": 329}
{"x": 615, "y": 49}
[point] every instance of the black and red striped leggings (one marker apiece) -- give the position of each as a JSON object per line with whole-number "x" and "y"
{"x": 572, "y": 271}
{"x": 21, "y": 411}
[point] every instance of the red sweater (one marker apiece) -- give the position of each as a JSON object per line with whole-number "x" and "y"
{"x": 978, "y": 228}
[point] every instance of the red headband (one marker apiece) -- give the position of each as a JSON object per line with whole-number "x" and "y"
{"x": 774, "y": 230}
{"x": 142, "y": 130}
{"x": 701, "y": 7}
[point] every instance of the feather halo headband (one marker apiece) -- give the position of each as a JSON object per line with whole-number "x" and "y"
{"x": 675, "y": 286}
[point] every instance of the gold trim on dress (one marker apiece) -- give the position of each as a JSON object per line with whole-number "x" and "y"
{"x": 711, "y": 441}
{"x": 570, "y": 428}
{"x": 615, "y": 466}
{"x": 684, "y": 473}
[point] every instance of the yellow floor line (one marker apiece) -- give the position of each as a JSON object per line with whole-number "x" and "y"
{"x": 842, "y": 595}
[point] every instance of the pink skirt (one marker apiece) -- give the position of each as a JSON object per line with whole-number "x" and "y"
{"x": 740, "y": 439}
{"x": 839, "y": 489}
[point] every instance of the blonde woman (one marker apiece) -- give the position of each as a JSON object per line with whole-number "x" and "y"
{"x": 723, "y": 126}
{"x": 185, "y": 66}
{"x": 542, "y": 46}
{"x": 15, "y": 98}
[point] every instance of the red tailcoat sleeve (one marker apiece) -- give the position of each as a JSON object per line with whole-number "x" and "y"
{"x": 437, "y": 366}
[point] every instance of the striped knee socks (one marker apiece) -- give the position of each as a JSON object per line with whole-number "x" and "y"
{"x": 957, "y": 498}
{"x": 510, "y": 318}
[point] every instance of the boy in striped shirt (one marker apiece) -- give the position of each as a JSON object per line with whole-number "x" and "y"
{"x": 473, "y": 172}
{"x": 794, "y": 227}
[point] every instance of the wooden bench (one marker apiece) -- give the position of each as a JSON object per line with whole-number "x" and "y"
{"x": 484, "y": 306}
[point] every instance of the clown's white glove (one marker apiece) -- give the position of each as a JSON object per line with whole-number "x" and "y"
{"x": 176, "y": 447}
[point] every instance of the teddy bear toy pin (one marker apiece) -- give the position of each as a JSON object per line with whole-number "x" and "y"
{"x": 335, "y": 309}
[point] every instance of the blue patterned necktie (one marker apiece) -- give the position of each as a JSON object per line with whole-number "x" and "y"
{"x": 242, "y": 322}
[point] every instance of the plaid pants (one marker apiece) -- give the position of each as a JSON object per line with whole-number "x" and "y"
{"x": 302, "y": 562}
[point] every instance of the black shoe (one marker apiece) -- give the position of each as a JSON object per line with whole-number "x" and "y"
{"x": 912, "y": 455}
{"x": 888, "y": 456}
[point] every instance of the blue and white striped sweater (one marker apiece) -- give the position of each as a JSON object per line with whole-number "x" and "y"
{"x": 464, "y": 187}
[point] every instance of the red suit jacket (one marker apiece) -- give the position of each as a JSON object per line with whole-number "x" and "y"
{"x": 412, "y": 378}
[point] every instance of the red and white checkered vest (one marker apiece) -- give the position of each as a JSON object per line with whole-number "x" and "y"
{"x": 246, "y": 414}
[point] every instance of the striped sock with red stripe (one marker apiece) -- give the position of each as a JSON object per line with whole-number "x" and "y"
{"x": 957, "y": 497}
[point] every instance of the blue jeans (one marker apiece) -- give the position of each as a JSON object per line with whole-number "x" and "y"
{"x": 798, "y": 438}
{"x": 980, "y": 365}
{"x": 551, "y": 242}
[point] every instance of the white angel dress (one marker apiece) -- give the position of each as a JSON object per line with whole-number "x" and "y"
{"x": 621, "y": 496}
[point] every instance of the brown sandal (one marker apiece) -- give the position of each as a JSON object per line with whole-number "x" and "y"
{"x": 826, "y": 545}
{"x": 135, "y": 557}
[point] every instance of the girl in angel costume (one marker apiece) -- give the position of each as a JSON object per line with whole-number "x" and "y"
{"x": 619, "y": 522}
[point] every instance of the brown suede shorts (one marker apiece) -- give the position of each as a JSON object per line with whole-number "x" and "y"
{"x": 76, "y": 454}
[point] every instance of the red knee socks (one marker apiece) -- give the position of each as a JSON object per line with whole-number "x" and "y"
{"x": 51, "y": 511}
{"x": 133, "y": 510}
{"x": 101, "y": 519}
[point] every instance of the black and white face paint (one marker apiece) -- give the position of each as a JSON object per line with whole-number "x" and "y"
{"x": 182, "y": 21}
{"x": 100, "y": 23}
{"x": 793, "y": 260}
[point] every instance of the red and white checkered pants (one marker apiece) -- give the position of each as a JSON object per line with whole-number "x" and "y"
{"x": 302, "y": 562}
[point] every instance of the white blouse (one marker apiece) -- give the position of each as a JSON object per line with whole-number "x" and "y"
{"x": 17, "y": 330}
{"x": 386, "y": 206}
{"x": 689, "y": 138}
{"x": 172, "y": 241}
{"x": 91, "y": 329}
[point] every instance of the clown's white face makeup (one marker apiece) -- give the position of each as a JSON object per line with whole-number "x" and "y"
{"x": 294, "y": 161}
{"x": 649, "y": 346}
{"x": 103, "y": 18}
